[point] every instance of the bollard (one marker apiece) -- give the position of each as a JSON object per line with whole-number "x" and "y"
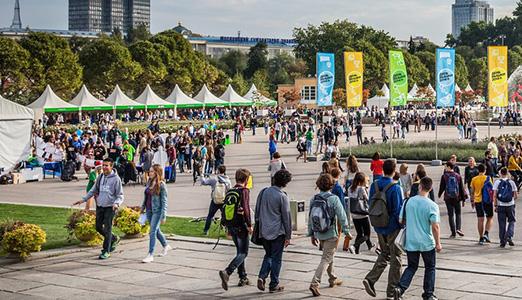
{"x": 297, "y": 212}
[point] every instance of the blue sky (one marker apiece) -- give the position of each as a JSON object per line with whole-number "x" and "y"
{"x": 270, "y": 18}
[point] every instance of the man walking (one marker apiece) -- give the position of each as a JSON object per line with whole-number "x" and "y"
{"x": 452, "y": 187}
{"x": 275, "y": 229}
{"x": 421, "y": 217}
{"x": 505, "y": 194}
{"x": 482, "y": 203}
{"x": 108, "y": 192}
{"x": 385, "y": 191}
{"x": 220, "y": 184}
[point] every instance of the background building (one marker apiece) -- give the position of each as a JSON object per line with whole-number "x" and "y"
{"x": 303, "y": 88}
{"x": 466, "y": 11}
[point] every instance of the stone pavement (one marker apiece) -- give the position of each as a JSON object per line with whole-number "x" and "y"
{"x": 191, "y": 272}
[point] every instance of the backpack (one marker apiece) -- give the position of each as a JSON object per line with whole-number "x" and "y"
{"x": 452, "y": 186}
{"x": 221, "y": 152}
{"x": 68, "y": 171}
{"x": 487, "y": 191}
{"x": 219, "y": 193}
{"x": 378, "y": 210}
{"x": 321, "y": 214}
{"x": 232, "y": 213}
{"x": 505, "y": 191}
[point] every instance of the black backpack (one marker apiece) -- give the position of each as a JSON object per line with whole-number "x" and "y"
{"x": 321, "y": 214}
{"x": 68, "y": 171}
{"x": 378, "y": 210}
{"x": 232, "y": 214}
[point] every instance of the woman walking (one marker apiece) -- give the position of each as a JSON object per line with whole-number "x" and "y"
{"x": 358, "y": 195}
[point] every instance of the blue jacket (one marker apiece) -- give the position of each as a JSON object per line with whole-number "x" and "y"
{"x": 159, "y": 202}
{"x": 394, "y": 203}
{"x": 339, "y": 192}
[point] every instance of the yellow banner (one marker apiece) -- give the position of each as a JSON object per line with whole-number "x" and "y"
{"x": 353, "y": 72}
{"x": 498, "y": 79}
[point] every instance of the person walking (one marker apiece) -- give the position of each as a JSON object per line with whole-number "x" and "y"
{"x": 385, "y": 190}
{"x": 92, "y": 180}
{"x": 236, "y": 218}
{"x": 275, "y": 229}
{"x": 109, "y": 196}
{"x": 325, "y": 211}
{"x": 219, "y": 184}
{"x": 275, "y": 165}
{"x": 481, "y": 200}
{"x": 376, "y": 166}
{"x": 421, "y": 217}
{"x": 155, "y": 205}
{"x": 470, "y": 171}
{"x": 452, "y": 187}
{"x": 272, "y": 146}
{"x": 505, "y": 194}
{"x": 358, "y": 195}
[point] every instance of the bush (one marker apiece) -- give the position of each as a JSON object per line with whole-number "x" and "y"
{"x": 23, "y": 239}
{"x": 127, "y": 221}
{"x": 82, "y": 225}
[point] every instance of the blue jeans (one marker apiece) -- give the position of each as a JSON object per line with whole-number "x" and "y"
{"x": 209, "y": 165}
{"x": 506, "y": 213}
{"x": 212, "y": 209}
{"x": 429, "y": 259}
{"x": 309, "y": 147}
{"x": 272, "y": 260}
{"x": 240, "y": 238}
{"x": 155, "y": 231}
{"x": 181, "y": 161}
{"x": 218, "y": 162}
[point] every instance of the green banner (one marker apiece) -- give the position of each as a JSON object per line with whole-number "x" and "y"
{"x": 398, "y": 79}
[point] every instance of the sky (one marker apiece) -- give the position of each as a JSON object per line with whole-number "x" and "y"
{"x": 270, "y": 18}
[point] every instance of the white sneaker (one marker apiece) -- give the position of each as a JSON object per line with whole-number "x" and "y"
{"x": 148, "y": 259}
{"x": 165, "y": 250}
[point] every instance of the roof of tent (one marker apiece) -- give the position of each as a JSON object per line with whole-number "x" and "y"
{"x": 181, "y": 100}
{"x": 86, "y": 101}
{"x": 257, "y": 98}
{"x": 380, "y": 101}
{"x": 431, "y": 89}
{"x": 413, "y": 92}
{"x": 208, "y": 99}
{"x": 151, "y": 100}
{"x": 468, "y": 88}
{"x": 457, "y": 88}
{"x": 119, "y": 100}
{"x": 234, "y": 99}
{"x": 50, "y": 102}
{"x": 14, "y": 111}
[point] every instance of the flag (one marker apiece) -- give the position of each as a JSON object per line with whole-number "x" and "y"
{"x": 445, "y": 85}
{"x": 398, "y": 79}
{"x": 353, "y": 72}
{"x": 325, "y": 78}
{"x": 497, "y": 74}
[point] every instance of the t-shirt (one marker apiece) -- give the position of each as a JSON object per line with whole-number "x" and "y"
{"x": 477, "y": 183}
{"x": 376, "y": 167}
{"x": 421, "y": 212}
{"x": 513, "y": 189}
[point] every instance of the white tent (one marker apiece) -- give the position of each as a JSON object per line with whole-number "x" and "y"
{"x": 412, "y": 94}
{"x": 50, "y": 102}
{"x": 86, "y": 101}
{"x": 257, "y": 98}
{"x": 457, "y": 89}
{"x": 181, "y": 100}
{"x": 468, "y": 88}
{"x": 15, "y": 134}
{"x": 151, "y": 100}
{"x": 208, "y": 99}
{"x": 380, "y": 101}
{"x": 118, "y": 100}
{"x": 431, "y": 89}
{"x": 234, "y": 99}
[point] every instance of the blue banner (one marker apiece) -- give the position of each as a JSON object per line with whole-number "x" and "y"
{"x": 445, "y": 85}
{"x": 325, "y": 78}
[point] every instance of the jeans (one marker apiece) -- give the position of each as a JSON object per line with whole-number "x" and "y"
{"x": 506, "y": 213}
{"x": 181, "y": 162}
{"x": 362, "y": 227}
{"x": 359, "y": 139}
{"x": 329, "y": 247}
{"x": 319, "y": 146}
{"x": 309, "y": 147}
{"x": 272, "y": 260}
{"x": 389, "y": 253}
{"x": 454, "y": 216}
{"x": 218, "y": 162}
{"x": 104, "y": 217}
{"x": 155, "y": 231}
{"x": 209, "y": 165}
{"x": 429, "y": 259}
{"x": 212, "y": 209}
{"x": 240, "y": 238}
{"x": 253, "y": 130}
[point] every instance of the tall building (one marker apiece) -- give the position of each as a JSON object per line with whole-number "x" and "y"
{"x": 466, "y": 11}
{"x": 106, "y": 15}
{"x": 17, "y": 21}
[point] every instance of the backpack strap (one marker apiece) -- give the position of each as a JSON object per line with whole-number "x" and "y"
{"x": 389, "y": 186}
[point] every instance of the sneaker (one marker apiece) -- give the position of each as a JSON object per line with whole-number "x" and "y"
{"x": 502, "y": 245}
{"x": 378, "y": 252}
{"x": 276, "y": 289}
{"x": 452, "y": 236}
{"x": 369, "y": 288}
{"x": 243, "y": 282}
{"x": 261, "y": 284}
{"x": 432, "y": 297}
{"x": 205, "y": 233}
{"x": 115, "y": 243}
{"x": 486, "y": 238}
{"x": 397, "y": 293}
{"x": 370, "y": 246}
{"x": 510, "y": 242}
{"x": 460, "y": 233}
{"x": 224, "y": 279}
{"x": 315, "y": 290}
{"x": 148, "y": 259}
{"x": 104, "y": 255}
{"x": 166, "y": 250}
{"x": 481, "y": 241}
{"x": 335, "y": 282}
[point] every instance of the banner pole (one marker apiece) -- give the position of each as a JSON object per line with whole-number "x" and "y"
{"x": 436, "y": 132}
{"x": 391, "y": 133}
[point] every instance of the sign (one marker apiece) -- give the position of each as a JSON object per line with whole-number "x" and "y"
{"x": 300, "y": 206}
{"x": 498, "y": 76}
{"x": 445, "y": 85}
{"x": 353, "y": 72}
{"x": 325, "y": 78}
{"x": 398, "y": 79}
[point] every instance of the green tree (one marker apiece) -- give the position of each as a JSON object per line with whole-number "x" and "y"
{"x": 139, "y": 33}
{"x": 107, "y": 63}
{"x": 257, "y": 59}
{"x": 239, "y": 84}
{"x": 77, "y": 43}
{"x": 478, "y": 73}
{"x": 417, "y": 71}
{"x": 260, "y": 79}
{"x": 149, "y": 57}
{"x": 428, "y": 60}
{"x": 412, "y": 48}
{"x": 461, "y": 71}
{"x": 514, "y": 61}
{"x": 233, "y": 62}
{"x": 375, "y": 66}
{"x": 14, "y": 61}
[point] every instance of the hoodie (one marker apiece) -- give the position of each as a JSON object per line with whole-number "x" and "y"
{"x": 107, "y": 190}
{"x": 212, "y": 181}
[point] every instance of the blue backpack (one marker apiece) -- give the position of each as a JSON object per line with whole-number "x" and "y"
{"x": 452, "y": 187}
{"x": 505, "y": 191}
{"x": 487, "y": 191}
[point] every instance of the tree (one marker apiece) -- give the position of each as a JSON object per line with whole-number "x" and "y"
{"x": 428, "y": 60}
{"x": 292, "y": 97}
{"x": 77, "y": 43}
{"x": 375, "y": 65}
{"x": 412, "y": 48}
{"x": 14, "y": 61}
{"x": 239, "y": 84}
{"x": 257, "y": 59}
{"x": 514, "y": 61}
{"x": 518, "y": 10}
{"x": 450, "y": 41}
{"x": 339, "y": 97}
{"x": 461, "y": 71}
{"x": 107, "y": 63}
{"x": 260, "y": 79}
{"x": 233, "y": 62}
{"x": 148, "y": 56}
{"x": 417, "y": 71}
{"x": 478, "y": 73}
{"x": 139, "y": 33}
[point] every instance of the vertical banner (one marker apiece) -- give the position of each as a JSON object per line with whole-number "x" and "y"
{"x": 398, "y": 79}
{"x": 325, "y": 78}
{"x": 445, "y": 84}
{"x": 353, "y": 73}
{"x": 497, "y": 74}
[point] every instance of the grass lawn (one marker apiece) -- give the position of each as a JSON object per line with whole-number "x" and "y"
{"x": 53, "y": 220}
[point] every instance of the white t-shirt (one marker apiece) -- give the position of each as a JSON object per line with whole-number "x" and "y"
{"x": 513, "y": 189}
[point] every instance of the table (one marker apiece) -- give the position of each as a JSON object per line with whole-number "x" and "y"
{"x": 55, "y": 166}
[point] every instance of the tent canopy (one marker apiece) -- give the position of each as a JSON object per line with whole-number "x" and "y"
{"x": 151, "y": 100}
{"x": 234, "y": 99}
{"x": 457, "y": 89}
{"x": 118, "y": 100}
{"x": 380, "y": 101}
{"x": 14, "y": 111}
{"x": 181, "y": 100}
{"x": 208, "y": 99}
{"x": 468, "y": 88}
{"x": 86, "y": 101}
{"x": 413, "y": 92}
{"x": 50, "y": 102}
{"x": 257, "y": 98}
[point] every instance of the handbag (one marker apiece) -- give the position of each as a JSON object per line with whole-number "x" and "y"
{"x": 256, "y": 238}
{"x": 359, "y": 205}
{"x": 400, "y": 240}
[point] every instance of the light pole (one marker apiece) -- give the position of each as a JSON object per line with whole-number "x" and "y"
{"x": 502, "y": 37}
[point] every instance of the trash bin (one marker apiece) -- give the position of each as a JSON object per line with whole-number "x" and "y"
{"x": 297, "y": 211}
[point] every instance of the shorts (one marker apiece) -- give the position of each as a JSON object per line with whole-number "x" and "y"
{"x": 484, "y": 210}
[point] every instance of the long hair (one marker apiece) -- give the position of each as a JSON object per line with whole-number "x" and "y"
{"x": 352, "y": 164}
{"x": 157, "y": 180}
{"x": 358, "y": 180}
